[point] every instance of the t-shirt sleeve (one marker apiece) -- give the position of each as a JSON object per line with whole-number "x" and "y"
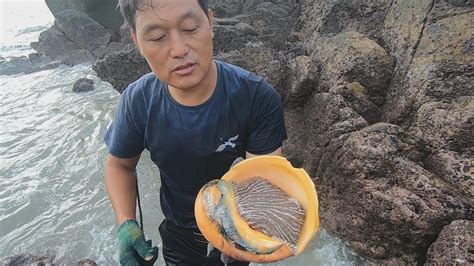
{"x": 267, "y": 123}
{"x": 125, "y": 136}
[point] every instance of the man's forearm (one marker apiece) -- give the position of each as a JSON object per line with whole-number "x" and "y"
{"x": 120, "y": 184}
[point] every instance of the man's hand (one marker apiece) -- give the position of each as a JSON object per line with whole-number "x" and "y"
{"x": 134, "y": 250}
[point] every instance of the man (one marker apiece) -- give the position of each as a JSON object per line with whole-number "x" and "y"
{"x": 194, "y": 114}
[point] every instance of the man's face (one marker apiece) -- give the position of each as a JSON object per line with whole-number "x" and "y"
{"x": 175, "y": 37}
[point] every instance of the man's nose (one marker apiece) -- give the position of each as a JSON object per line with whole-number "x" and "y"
{"x": 178, "y": 46}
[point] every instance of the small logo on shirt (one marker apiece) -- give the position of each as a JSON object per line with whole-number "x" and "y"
{"x": 230, "y": 143}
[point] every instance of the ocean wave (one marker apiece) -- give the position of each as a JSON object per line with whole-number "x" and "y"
{"x": 33, "y": 29}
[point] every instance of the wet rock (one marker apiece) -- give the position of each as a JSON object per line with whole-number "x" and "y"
{"x": 54, "y": 44}
{"x": 83, "y": 85}
{"x": 39, "y": 260}
{"x": 79, "y": 56}
{"x": 454, "y": 245}
{"x": 122, "y": 67}
{"x": 28, "y": 259}
{"x": 56, "y": 6}
{"x": 104, "y": 11}
{"x": 86, "y": 262}
{"x": 22, "y": 64}
{"x": 84, "y": 31}
{"x": 353, "y": 57}
{"x": 398, "y": 207}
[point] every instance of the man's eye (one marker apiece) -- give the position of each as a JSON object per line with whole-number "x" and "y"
{"x": 192, "y": 30}
{"x": 159, "y": 39}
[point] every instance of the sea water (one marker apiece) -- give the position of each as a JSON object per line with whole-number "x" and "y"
{"x": 52, "y": 196}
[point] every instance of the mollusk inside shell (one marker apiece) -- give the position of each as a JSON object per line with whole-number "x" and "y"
{"x": 261, "y": 218}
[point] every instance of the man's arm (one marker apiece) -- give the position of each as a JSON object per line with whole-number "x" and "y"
{"x": 120, "y": 183}
{"x": 277, "y": 152}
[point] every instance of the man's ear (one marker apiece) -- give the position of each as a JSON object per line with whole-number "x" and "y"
{"x": 210, "y": 16}
{"x": 133, "y": 34}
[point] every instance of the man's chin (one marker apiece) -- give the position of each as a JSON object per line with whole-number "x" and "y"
{"x": 183, "y": 86}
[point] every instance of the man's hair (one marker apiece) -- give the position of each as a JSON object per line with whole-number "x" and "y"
{"x": 129, "y": 9}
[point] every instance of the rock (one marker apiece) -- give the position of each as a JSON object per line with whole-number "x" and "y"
{"x": 397, "y": 207}
{"x": 28, "y": 259}
{"x": 447, "y": 125}
{"x": 125, "y": 36}
{"x": 454, "y": 169}
{"x": 83, "y": 31}
{"x": 271, "y": 19}
{"x": 227, "y": 38}
{"x": 448, "y": 8}
{"x": 122, "y": 67}
{"x": 353, "y": 57}
{"x": 328, "y": 18}
{"x": 45, "y": 260}
{"x": 56, "y": 6}
{"x": 54, "y": 44}
{"x": 440, "y": 70}
{"x": 403, "y": 25}
{"x": 104, "y": 11}
{"x": 323, "y": 118}
{"x": 268, "y": 18}
{"x": 78, "y": 56}
{"x": 22, "y": 64}
{"x": 83, "y": 85}
{"x": 233, "y": 57}
{"x": 356, "y": 96}
{"x": 454, "y": 245}
{"x": 232, "y": 8}
{"x": 86, "y": 262}
{"x": 303, "y": 80}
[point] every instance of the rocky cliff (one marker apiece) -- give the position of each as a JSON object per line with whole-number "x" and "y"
{"x": 378, "y": 100}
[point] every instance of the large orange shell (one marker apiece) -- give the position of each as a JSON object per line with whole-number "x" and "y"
{"x": 278, "y": 171}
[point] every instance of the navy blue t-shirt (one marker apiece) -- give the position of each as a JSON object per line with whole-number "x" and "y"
{"x": 192, "y": 145}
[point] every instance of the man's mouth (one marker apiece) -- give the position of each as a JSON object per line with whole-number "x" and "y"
{"x": 184, "y": 68}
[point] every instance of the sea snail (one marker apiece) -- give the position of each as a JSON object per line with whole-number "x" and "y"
{"x": 262, "y": 210}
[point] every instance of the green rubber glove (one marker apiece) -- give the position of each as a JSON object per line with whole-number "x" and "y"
{"x": 134, "y": 250}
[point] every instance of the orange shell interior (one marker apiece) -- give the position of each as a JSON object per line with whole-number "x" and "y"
{"x": 279, "y": 171}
